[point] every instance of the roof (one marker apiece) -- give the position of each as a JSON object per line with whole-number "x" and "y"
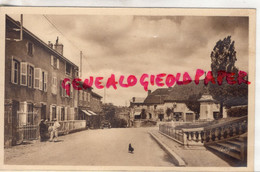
{"x": 183, "y": 92}
{"x": 158, "y": 96}
{"x": 95, "y": 94}
{"x": 17, "y": 24}
{"x": 138, "y": 100}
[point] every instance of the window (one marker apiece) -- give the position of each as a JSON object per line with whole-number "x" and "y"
{"x": 62, "y": 90}
{"x": 30, "y": 113}
{"x": 68, "y": 69}
{"x": 30, "y": 76}
{"x": 15, "y": 71}
{"x": 54, "y": 85}
{"x": 44, "y": 80}
{"x": 53, "y": 112}
{"x": 88, "y": 97}
{"x": 30, "y": 49}
{"x": 71, "y": 91}
{"x": 80, "y": 95}
{"x": 23, "y": 74}
{"x": 37, "y": 78}
{"x": 85, "y": 96}
{"x": 55, "y": 62}
{"x": 62, "y": 113}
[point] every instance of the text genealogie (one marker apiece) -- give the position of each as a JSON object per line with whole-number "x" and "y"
{"x": 160, "y": 80}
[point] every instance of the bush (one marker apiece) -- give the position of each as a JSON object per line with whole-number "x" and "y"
{"x": 237, "y": 112}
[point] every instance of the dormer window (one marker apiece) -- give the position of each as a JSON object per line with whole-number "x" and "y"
{"x": 30, "y": 49}
{"x": 68, "y": 69}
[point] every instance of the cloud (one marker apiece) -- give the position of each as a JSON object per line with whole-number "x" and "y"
{"x": 142, "y": 44}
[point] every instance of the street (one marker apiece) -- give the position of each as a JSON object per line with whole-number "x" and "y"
{"x": 107, "y": 147}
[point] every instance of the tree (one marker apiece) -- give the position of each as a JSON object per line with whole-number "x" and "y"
{"x": 223, "y": 58}
{"x": 194, "y": 105}
{"x": 169, "y": 112}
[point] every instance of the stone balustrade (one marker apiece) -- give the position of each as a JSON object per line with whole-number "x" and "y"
{"x": 200, "y": 136}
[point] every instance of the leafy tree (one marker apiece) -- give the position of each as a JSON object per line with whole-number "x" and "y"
{"x": 223, "y": 58}
{"x": 194, "y": 105}
{"x": 109, "y": 111}
{"x": 169, "y": 112}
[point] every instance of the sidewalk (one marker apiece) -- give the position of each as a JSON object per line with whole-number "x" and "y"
{"x": 192, "y": 157}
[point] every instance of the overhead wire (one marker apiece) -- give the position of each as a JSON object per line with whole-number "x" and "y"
{"x": 71, "y": 42}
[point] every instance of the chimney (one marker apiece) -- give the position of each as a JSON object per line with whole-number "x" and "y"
{"x": 149, "y": 92}
{"x": 58, "y": 47}
{"x": 133, "y": 99}
{"x": 50, "y": 44}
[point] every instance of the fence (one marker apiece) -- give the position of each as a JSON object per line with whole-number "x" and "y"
{"x": 70, "y": 126}
{"x": 28, "y": 132}
{"x": 200, "y": 136}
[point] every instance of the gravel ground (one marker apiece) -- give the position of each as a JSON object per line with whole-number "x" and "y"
{"x": 108, "y": 147}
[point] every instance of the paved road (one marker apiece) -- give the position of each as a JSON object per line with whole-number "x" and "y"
{"x": 108, "y": 147}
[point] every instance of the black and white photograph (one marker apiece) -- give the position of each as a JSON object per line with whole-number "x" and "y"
{"x": 129, "y": 88}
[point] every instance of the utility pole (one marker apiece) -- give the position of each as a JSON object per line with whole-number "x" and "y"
{"x": 80, "y": 64}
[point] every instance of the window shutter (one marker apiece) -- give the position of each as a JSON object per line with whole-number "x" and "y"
{"x": 40, "y": 80}
{"x": 57, "y": 112}
{"x": 58, "y": 63}
{"x": 71, "y": 91}
{"x": 66, "y": 113}
{"x": 52, "y": 60}
{"x": 45, "y": 81}
{"x": 33, "y": 49}
{"x": 23, "y": 76}
{"x": 61, "y": 89}
{"x": 50, "y": 112}
{"x": 37, "y": 78}
{"x": 12, "y": 71}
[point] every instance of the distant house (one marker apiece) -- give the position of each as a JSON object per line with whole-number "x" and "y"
{"x": 158, "y": 102}
{"x": 90, "y": 107}
{"x": 155, "y": 102}
{"x": 136, "y": 106}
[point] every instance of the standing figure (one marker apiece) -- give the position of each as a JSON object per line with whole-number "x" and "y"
{"x": 130, "y": 148}
{"x": 54, "y": 130}
{"x": 42, "y": 130}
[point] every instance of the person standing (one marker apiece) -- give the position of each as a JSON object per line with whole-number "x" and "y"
{"x": 54, "y": 131}
{"x": 42, "y": 130}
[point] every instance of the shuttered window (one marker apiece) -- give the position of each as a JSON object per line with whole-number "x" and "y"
{"x": 23, "y": 76}
{"x": 37, "y": 78}
{"x": 30, "y": 76}
{"x": 44, "y": 80}
{"x": 15, "y": 71}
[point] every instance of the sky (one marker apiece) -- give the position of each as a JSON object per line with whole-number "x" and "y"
{"x": 133, "y": 45}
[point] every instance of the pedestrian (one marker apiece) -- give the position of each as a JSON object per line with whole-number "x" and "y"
{"x": 54, "y": 130}
{"x": 42, "y": 130}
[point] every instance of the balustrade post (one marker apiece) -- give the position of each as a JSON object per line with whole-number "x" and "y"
{"x": 216, "y": 134}
{"x": 185, "y": 139}
{"x": 194, "y": 137}
{"x": 234, "y": 129}
{"x": 210, "y": 136}
{"x": 199, "y": 136}
{"x": 222, "y": 133}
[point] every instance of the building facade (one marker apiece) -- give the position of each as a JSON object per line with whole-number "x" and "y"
{"x": 34, "y": 72}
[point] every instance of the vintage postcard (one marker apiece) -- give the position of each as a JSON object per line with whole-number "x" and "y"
{"x": 127, "y": 89}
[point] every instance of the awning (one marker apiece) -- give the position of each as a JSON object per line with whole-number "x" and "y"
{"x": 89, "y": 112}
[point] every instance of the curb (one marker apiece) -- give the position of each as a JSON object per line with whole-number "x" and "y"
{"x": 176, "y": 158}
